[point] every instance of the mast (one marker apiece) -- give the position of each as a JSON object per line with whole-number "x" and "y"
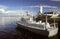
{"x": 54, "y": 22}
{"x": 41, "y": 9}
{"x": 46, "y": 19}
{"x": 54, "y": 19}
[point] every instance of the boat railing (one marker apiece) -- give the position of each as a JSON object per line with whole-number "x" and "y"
{"x": 52, "y": 24}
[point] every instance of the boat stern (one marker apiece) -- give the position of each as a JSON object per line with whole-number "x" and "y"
{"x": 53, "y": 32}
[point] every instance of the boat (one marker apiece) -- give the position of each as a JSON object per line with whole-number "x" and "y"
{"x": 43, "y": 28}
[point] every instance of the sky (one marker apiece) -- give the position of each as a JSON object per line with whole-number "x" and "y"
{"x": 19, "y": 4}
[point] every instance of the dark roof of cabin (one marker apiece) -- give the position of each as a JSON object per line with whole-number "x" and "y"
{"x": 48, "y": 13}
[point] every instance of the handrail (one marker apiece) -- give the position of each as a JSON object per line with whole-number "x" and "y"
{"x": 52, "y": 24}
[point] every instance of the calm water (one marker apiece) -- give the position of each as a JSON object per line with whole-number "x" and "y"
{"x": 9, "y": 30}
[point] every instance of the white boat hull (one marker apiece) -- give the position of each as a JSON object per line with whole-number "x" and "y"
{"x": 49, "y": 33}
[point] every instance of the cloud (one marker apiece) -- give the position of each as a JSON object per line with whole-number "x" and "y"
{"x": 3, "y": 6}
{"x": 16, "y": 11}
{"x": 55, "y": 0}
{"x": 4, "y": 10}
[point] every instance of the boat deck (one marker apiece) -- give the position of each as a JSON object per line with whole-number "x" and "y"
{"x": 37, "y": 26}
